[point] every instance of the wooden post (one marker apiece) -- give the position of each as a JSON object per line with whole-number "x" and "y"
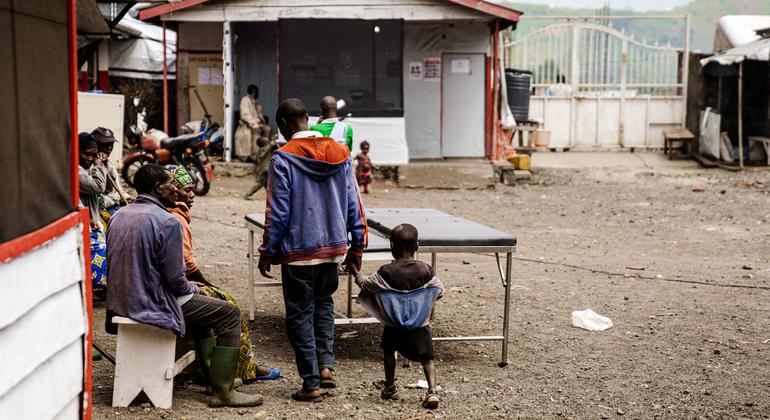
{"x": 165, "y": 82}
{"x": 740, "y": 115}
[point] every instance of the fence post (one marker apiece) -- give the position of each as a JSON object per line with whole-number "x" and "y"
{"x": 623, "y": 65}
{"x": 685, "y": 68}
{"x": 575, "y": 82}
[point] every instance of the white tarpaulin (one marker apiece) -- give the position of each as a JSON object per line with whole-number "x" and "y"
{"x": 757, "y": 50}
{"x": 386, "y": 137}
{"x": 141, "y": 56}
{"x": 736, "y": 30}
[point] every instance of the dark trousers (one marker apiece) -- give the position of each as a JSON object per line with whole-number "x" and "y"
{"x": 307, "y": 294}
{"x": 206, "y": 317}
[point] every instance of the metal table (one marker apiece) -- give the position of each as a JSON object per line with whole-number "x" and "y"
{"x": 439, "y": 233}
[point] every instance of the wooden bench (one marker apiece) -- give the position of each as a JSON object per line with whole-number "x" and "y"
{"x": 145, "y": 361}
{"x": 678, "y": 143}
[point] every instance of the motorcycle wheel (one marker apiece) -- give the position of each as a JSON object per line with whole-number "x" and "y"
{"x": 130, "y": 168}
{"x": 195, "y": 168}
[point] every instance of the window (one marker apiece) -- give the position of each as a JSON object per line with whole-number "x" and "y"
{"x": 355, "y": 60}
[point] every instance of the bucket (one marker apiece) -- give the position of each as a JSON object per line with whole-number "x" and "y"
{"x": 541, "y": 137}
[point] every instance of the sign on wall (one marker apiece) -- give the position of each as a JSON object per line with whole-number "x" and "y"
{"x": 415, "y": 70}
{"x": 460, "y": 66}
{"x": 432, "y": 68}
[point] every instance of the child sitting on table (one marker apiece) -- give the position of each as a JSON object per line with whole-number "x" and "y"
{"x": 401, "y": 296}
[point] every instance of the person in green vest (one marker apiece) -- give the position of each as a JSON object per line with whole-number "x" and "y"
{"x": 330, "y": 125}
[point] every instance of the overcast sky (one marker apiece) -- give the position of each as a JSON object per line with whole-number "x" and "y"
{"x": 639, "y": 5}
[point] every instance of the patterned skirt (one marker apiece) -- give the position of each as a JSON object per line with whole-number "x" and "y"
{"x": 247, "y": 362}
{"x": 98, "y": 260}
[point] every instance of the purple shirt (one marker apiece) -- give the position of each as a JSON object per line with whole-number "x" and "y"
{"x": 146, "y": 266}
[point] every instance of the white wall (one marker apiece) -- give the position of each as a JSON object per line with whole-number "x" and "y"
{"x": 422, "y": 98}
{"x": 103, "y": 110}
{"x": 42, "y": 325}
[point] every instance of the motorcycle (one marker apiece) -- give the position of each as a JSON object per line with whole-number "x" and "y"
{"x": 155, "y": 146}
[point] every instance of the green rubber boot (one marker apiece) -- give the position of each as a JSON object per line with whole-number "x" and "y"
{"x": 205, "y": 347}
{"x": 224, "y": 362}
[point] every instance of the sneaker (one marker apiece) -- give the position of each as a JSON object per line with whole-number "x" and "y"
{"x": 431, "y": 400}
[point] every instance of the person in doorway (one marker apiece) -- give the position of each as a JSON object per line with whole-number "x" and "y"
{"x": 330, "y": 125}
{"x": 252, "y": 126}
{"x": 148, "y": 284}
{"x": 313, "y": 206}
{"x": 364, "y": 167}
{"x": 262, "y": 164}
{"x": 410, "y": 288}
{"x": 113, "y": 197}
{"x": 248, "y": 370}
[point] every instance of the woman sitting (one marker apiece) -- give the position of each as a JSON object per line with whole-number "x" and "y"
{"x": 248, "y": 370}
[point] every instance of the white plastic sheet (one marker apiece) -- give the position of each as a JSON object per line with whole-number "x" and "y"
{"x": 590, "y": 320}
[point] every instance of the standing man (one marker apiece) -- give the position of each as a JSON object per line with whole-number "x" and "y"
{"x": 252, "y": 126}
{"x": 148, "y": 284}
{"x": 330, "y": 125}
{"x": 313, "y": 204}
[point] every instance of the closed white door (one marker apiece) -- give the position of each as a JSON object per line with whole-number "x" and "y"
{"x": 462, "y": 105}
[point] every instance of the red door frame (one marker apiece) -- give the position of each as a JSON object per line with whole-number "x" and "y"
{"x": 83, "y": 219}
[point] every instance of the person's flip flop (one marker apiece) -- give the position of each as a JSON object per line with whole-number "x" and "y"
{"x": 274, "y": 373}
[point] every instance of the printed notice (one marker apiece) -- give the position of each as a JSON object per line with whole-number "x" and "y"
{"x": 461, "y": 66}
{"x": 415, "y": 70}
{"x": 432, "y": 68}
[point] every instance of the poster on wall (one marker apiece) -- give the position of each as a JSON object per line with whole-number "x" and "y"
{"x": 415, "y": 70}
{"x": 432, "y": 68}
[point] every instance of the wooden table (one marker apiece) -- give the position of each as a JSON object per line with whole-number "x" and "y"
{"x": 678, "y": 140}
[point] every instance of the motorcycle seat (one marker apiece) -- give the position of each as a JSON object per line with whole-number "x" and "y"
{"x": 179, "y": 141}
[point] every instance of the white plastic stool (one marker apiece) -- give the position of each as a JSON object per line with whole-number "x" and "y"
{"x": 144, "y": 360}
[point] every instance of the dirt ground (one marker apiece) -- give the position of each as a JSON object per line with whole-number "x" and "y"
{"x": 677, "y": 256}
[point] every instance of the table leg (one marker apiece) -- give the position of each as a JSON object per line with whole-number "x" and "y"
{"x": 506, "y": 308}
{"x": 252, "y": 300}
{"x": 350, "y": 295}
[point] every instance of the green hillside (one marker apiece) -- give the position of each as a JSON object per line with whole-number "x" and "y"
{"x": 704, "y": 15}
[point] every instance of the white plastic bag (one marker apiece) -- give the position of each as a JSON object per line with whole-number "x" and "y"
{"x": 590, "y": 320}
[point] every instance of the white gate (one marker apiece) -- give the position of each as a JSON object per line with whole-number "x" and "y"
{"x": 595, "y": 86}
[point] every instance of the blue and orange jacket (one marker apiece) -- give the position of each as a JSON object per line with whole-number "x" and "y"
{"x": 313, "y": 203}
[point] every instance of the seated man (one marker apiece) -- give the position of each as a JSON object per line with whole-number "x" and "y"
{"x": 113, "y": 196}
{"x": 148, "y": 283}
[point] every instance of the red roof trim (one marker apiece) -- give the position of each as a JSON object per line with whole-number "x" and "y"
{"x": 480, "y": 5}
{"x": 168, "y": 8}
{"x": 501, "y": 12}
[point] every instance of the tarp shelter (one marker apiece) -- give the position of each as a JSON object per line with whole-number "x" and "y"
{"x": 139, "y": 54}
{"x": 755, "y": 48}
{"x": 426, "y": 66}
{"x": 45, "y": 330}
{"x": 736, "y": 30}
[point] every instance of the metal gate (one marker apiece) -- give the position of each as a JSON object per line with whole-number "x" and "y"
{"x": 595, "y": 86}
